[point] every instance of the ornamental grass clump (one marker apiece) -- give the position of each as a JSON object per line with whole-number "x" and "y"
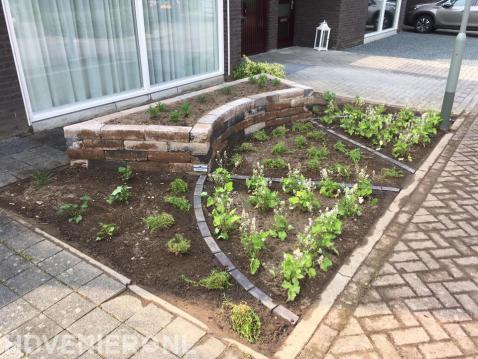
{"x": 216, "y": 280}
{"x": 178, "y": 244}
{"x": 248, "y": 68}
{"x": 178, "y": 186}
{"x": 159, "y": 222}
{"x": 245, "y": 321}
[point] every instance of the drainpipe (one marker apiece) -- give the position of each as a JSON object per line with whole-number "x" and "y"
{"x": 228, "y": 41}
{"x": 454, "y": 72}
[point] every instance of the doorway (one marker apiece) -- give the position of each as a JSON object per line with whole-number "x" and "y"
{"x": 254, "y": 24}
{"x": 285, "y": 31}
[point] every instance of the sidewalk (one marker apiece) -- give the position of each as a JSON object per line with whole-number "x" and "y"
{"x": 416, "y": 295}
{"x": 54, "y": 304}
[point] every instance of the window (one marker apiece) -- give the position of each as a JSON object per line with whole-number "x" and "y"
{"x": 75, "y": 54}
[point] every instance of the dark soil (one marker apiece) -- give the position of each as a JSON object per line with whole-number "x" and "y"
{"x": 268, "y": 278}
{"x": 298, "y": 158}
{"x": 135, "y": 252}
{"x": 199, "y": 108}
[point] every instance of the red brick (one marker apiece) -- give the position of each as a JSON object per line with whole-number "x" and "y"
{"x": 126, "y": 155}
{"x": 122, "y": 132}
{"x": 86, "y": 153}
{"x": 105, "y": 144}
{"x": 170, "y": 133}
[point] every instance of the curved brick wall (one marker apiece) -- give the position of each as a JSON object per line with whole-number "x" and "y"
{"x": 181, "y": 148}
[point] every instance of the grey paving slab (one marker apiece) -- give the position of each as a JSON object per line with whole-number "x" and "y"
{"x": 62, "y": 346}
{"x": 4, "y": 252}
{"x": 79, "y": 274}
{"x": 179, "y": 336}
{"x": 34, "y": 333}
{"x": 10, "y": 228}
{"x": 59, "y": 262}
{"x": 7, "y": 178}
{"x": 21, "y": 240}
{"x": 12, "y": 353}
{"x": 153, "y": 350}
{"x": 101, "y": 289}
{"x": 121, "y": 343}
{"x": 209, "y": 348}
{"x": 28, "y": 280}
{"x": 150, "y": 320}
{"x": 42, "y": 250}
{"x": 6, "y": 296}
{"x": 93, "y": 326}
{"x": 90, "y": 354}
{"x": 123, "y": 306}
{"x": 68, "y": 310}
{"x": 13, "y": 265}
{"x": 15, "y": 314}
{"x": 5, "y": 344}
{"x": 47, "y": 294}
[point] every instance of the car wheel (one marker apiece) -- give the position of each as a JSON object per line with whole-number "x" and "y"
{"x": 424, "y": 23}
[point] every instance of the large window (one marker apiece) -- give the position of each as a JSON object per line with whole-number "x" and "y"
{"x": 382, "y": 16}
{"x": 75, "y": 54}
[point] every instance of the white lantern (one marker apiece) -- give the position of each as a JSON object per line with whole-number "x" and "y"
{"x": 324, "y": 30}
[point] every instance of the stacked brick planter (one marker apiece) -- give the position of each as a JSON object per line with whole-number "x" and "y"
{"x": 183, "y": 148}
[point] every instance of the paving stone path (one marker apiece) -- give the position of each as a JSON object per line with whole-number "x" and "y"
{"x": 422, "y": 297}
{"x": 54, "y": 304}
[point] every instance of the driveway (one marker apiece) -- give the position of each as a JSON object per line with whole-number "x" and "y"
{"x": 407, "y": 69}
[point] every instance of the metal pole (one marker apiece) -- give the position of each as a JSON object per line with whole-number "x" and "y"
{"x": 455, "y": 66}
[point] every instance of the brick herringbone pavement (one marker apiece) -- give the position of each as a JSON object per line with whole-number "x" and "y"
{"x": 424, "y": 301}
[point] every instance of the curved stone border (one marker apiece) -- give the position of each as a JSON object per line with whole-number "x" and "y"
{"x": 347, "y": 185}
{"x": 238, "y": 276}
{"x": 366, "y": 148}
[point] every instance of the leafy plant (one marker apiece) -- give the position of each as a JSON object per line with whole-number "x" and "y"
{"x": 253, "y": 241}
{"x": 175, "y": 116}
{"x": 227, "y": 90}
{"x": 302, "y": 127}
{"x": 326, "y": 228}
{"x": 260, "y": 136}
{"x": 221, "y": 176}
{"x": 236, "y": 160}
{"x": 159, "y": 222}
{"x": 276, "y": 82}
{"x": 348, "y": 206}
{"x": 126, "y": 173}
{"x": 246, "y": 147}
{"x": 316, "y": 135}
{"x": 341, "y": 170}
{"x": 262, "y": 80}
{"x": 185, "y": 109}
{"x": 364, "y": 186}
{"x": 274, "y": 163}
{"x": 178, "y": 186}
{"x": 300, "y": 141}
{"x": 156, "y": 110}
{"x": 106, "y": 231}
{"x": 249, "y": 68}
{"x": 329, "y": 188}
{"x": 279, "y": 131}
{"x": 203, "y": 99}
{"x": 74, "y": 211}
{"x": 279, "y": 149}
{"x": 341, "y": 147}
{"x": 42, "y": 178}
{"x": 181, "y": 203}
{"x": 280, "y": 227}
{"x": 330, "y": 113}
{"x": 119, "y": 195}
{"x": 257, "y": 179}
{"x": 264, "y": 199}
{"x": 304, "y": 199}
{"x": 392, "y": 172}
{"x": 319, "y": 153}
{"x": 296, "y": 267}
{"x": 178, "y": 244}
{"x": 246, "y": 322}
{"x": 355, "y": 155}
{"x": 216, "y": 280}
{"x": 294, "y": 181}
{"x": 313, "y": 164}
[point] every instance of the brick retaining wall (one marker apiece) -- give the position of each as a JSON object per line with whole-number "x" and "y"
{"x": 183, "y": 148}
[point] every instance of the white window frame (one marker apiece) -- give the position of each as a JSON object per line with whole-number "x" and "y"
{"x": 143, "y": 55}
{"x": 380, "y": 33}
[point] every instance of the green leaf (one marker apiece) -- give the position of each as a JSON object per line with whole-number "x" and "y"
{"x": 325, "y": 264}
{"x": 255, "y": 265}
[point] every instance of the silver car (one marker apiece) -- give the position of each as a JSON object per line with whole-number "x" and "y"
{"x": 445, "y": 14}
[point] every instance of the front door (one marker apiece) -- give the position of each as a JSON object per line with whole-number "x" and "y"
{"x": 254, "y": 20}
{"x": 285, "y": 29}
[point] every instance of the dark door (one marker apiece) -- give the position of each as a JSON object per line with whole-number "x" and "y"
{"x": 254, "y": 26}
{"x": 286, "y": 23}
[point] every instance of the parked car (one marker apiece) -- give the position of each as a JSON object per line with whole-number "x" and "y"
{"x": 373, "y": 17}
{"x": 445, "y": 14}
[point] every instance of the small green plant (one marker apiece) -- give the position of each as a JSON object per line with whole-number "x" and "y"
{"x": 392, "y": 173}
{"x": 249, "y": 68}
{"x": 253, "y": 80}
{"x": 274, "y": 163}
{"x": 257, "y": 179}
{"x": 280, "y": 227}
{"x": 330, "y": 113}
{"x": 185, "y": 109}
{"x": 175, "y": 116}
{"x": 156, "y": 110}
{"x": 178, "y": 186}
{"x": 348, "y": 205}
{"x": 203, "y": 99}
{"x": 227, "y": 90}
{"x": 355, "y": 155}
{"x": 280, "y": 131}
{"x": 294, "y": 181}
{"x": 300, "y": 141}
{"x": 341, "y": 170}
{"x": 253, "y": 241}
{"x": 126, "y": 173}
{"x": 319, "y": 153}
{"x": 329, "y": 188}
{"x": 374, "y": 202}
{"x": 276, "y": 82}
{"x": 302, "y": 127}
{"x": 106, "y": 231}
{"x": 178, "y": 244}
{"x": 216, "y": 280}
{"x": 264, "y": 199}
{"x": 236, "y": 160}
{"x": 42, "y": 178}
{"x": 221, "y": 176}
{"x": 313, "y": 164}
{"x": 159, "y": 222}
{"x": 304, "y": 199}
{"x": 119, "y": 195}
{"x": 364, "y": 186}
{"x": 260, "y": 136}
{"x": 246, "y": 147}
{"x": 262, "y": 80}
{"x": 316, "y": 135}
{"x": 279, "y": 148}
{"x": 245, "y": 322}
{"x": 341, "y": 147}
{"x": 181, "y": 203}
{"x": 25, "y": 255}
{"x": 75, "y": 212}
{"x": 296, "y": 267}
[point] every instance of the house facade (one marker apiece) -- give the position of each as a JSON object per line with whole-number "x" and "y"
{"x": 70, "y": 60}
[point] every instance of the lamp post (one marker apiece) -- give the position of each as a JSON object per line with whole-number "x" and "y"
{"x": 454, "y": 72}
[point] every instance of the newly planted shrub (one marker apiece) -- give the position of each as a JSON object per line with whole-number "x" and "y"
{"x": 75, "y": 212}
{"x": 264, "y": 199}
{"x": 355, "y": 155}
{"x": 276, "y": 82}
{"x": 236, "y": 160}
{"x": 319, "y": 153}
{"x": 246, "y": 147}
{"x": 178, "y": 186}
{"x": 296, "y": 267}
{"x": 221, "y": 176}
{"x": 304, "y": 199}
{"x": 302, "y": 127}
{"x": 274, "y": 163}
{"x": 227, "y": 90}
{"x": 178, "y": 244}
{"x": 300, "y": 141}
{"x": 313, "y": 164}
{"x": 330, "y": 110}
{"x": 341, "y": 170}
{"x": 185, "y": 109}
{"x": 159, "y": 222}
{"x": 348, "y": 206}
{"x": 106, "y": 231}
{"x": 126, "y": 173}
{"x": 42, "y": 178}
{"x": 119, "y": 195}
{"x": 245, "y": 322}
{"x": 249, "y": 68}
{"x": 341, "y": 147}
{"x": 280, "y": 131}
{"x": 329, "y": 188}
{"x": 257, "y": 179}
{"x": 216, "y": 280}
{"x": 156, "y": 110}
{"x": 392, "y": 173}
{"x": 279, "y": 149}
{"x": 364, "y": 186}
{"x": 260, "y": 136}
{"x": 203, "y": 99}
{"x": 262, "y": 80}
{"x": 181, "y": 203}
{"x": 175, "y": 116}
{"x": 280, "y": 227}
{"x": 253, "y": 241}
{"x": 316, "y": 135}
{"x": 294, "y": 181}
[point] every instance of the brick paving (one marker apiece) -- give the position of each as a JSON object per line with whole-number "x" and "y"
{"x": 54, "y": 304}
{"x": 416, "y": 296}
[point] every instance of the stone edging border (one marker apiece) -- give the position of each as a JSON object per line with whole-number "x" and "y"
{"x": 238, "y": 276}
{"x": 302, "y": 333}
{"x": 366, "y": 148}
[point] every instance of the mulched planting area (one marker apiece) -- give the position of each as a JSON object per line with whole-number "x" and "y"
{"x": 199, "y": 105}
{"x": 134, "y": 251}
